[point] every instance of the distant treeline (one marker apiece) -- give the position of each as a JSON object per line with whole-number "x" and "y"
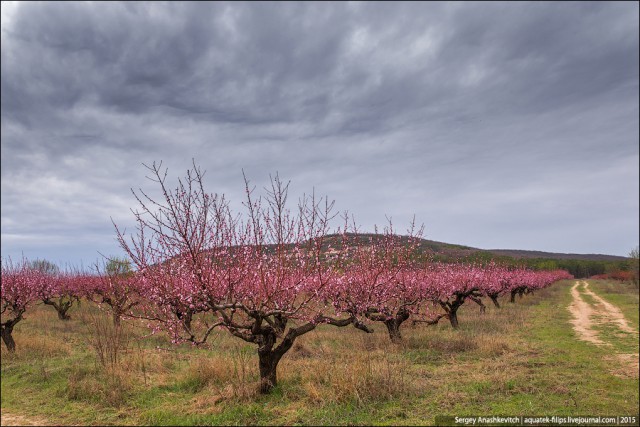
{"x": 577, "y": 267}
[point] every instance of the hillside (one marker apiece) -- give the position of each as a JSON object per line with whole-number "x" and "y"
{"x": 460, "y": 251}
{"x": 579, "y": 265}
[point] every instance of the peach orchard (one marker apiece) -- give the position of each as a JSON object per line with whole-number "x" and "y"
{"x": 266, "y": 276}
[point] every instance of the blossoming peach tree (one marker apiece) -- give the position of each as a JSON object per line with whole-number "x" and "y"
{"x": 20, "y": 285}
{"x": 260, "y": 276}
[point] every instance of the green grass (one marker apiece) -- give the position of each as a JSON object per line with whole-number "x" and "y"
{"x": 522, "y": 359}
{"x": 622, "y": 295}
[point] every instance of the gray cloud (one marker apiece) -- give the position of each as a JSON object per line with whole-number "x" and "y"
{"x": 497, "y": 124}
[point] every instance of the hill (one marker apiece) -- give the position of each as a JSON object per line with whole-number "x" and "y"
{"x": 451, "y": 250}
{"x": 580, "y": 265}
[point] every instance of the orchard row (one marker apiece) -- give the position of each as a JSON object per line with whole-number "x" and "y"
{"x": 266, "y": 277}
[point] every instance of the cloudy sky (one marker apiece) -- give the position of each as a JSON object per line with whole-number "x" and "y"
{"x": 499, "y": 125}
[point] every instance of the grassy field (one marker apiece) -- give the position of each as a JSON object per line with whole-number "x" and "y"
{"x": 523, "y": 359}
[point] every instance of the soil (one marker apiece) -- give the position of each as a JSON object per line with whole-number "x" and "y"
{"x": 7, "y": 419}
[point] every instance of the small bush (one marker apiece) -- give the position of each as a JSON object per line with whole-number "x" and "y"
{"x": 108, "y": 340}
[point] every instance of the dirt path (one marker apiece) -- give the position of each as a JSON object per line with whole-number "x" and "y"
{"x": 583, "y": 315}
{"x": 7, "y": 419}
{"x": 586, "y": 316}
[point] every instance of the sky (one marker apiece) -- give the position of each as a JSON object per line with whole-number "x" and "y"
{"x": 498, "y": 125}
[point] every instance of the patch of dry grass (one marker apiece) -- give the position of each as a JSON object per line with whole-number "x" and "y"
{"x": 111, "y": 387}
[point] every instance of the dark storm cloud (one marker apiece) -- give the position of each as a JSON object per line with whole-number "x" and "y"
{"x": 491, "y": 121}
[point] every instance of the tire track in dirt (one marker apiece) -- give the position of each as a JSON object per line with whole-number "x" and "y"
{"x": 613, "y": 312}
{"x": 586, "y": 316}
{"x": 583, "y": 318}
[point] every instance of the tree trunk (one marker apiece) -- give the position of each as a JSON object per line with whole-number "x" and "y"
{"x": 62, "y": 313}
{"x": 394, "y": 330}
{"x": 268, "y": 371}
{"x": 453, "y": 317}
{"x": 8, "y": 339}
{"x": 513, "y": 296}
{"x": 61, "y": 308}
{"x": 393, "y": 325}
{"x": 269, "y": 357}
{"x": 494, "y": 298}
{"x": 268, "y": 362}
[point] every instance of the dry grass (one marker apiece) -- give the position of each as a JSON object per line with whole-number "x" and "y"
{"x": 486, "y": 362}
{"x": 38, "y": 347}
{"x": 106, "y": 387}
{"x": 327, "y": 365}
